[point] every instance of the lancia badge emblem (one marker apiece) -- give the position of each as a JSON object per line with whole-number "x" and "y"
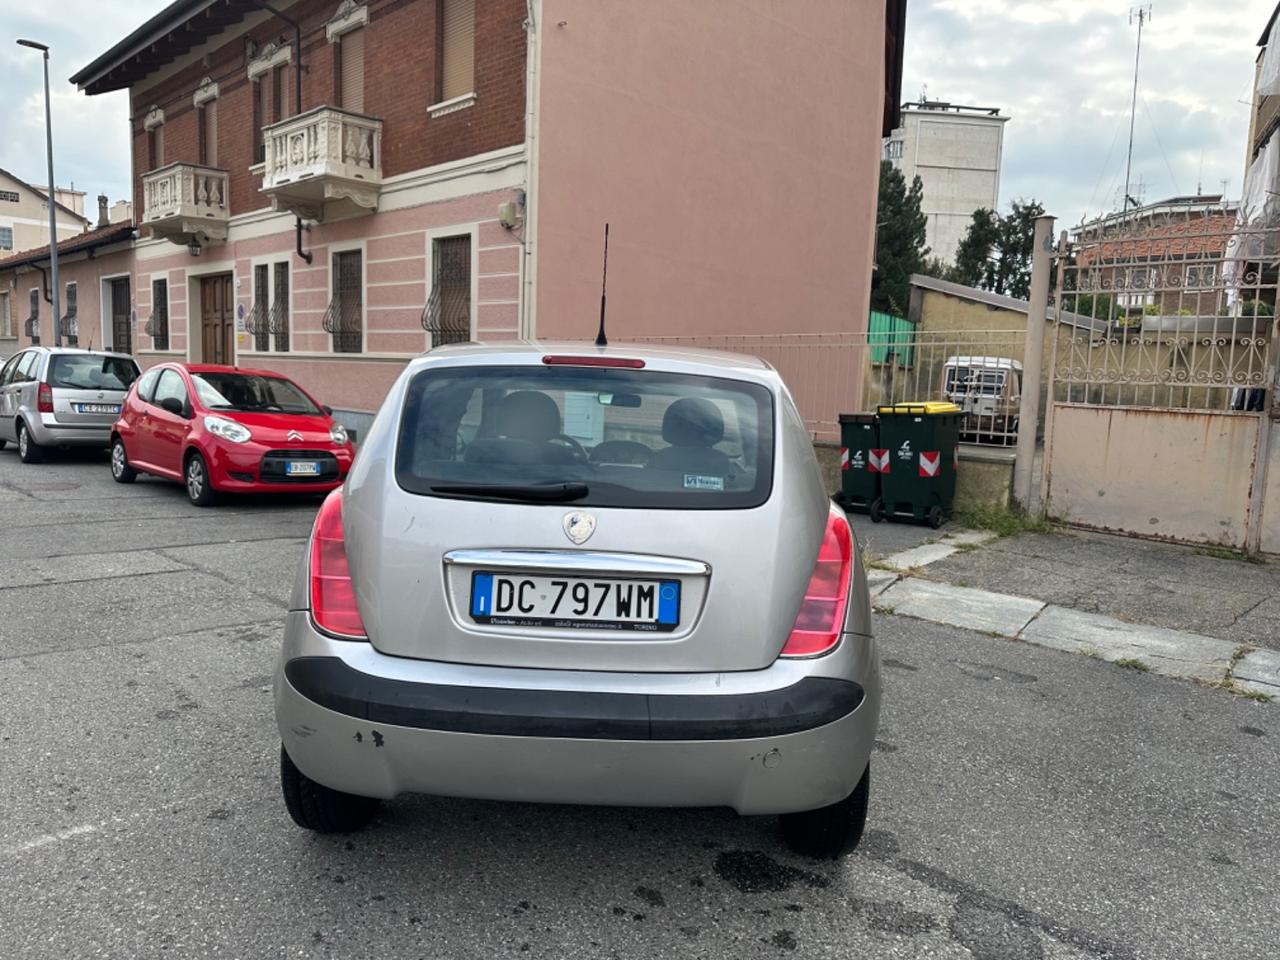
{"x": 295, "y": 435}
{"x": 579, "y": 526}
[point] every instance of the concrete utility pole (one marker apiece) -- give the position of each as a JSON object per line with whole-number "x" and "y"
{"x": 53, "y": 215}
{"x": 1033, "y": 362}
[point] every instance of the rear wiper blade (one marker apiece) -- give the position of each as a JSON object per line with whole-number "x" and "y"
{"x": 532, "y": 492}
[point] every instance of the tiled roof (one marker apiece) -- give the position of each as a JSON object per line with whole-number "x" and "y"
{"x": 101, "y": 237}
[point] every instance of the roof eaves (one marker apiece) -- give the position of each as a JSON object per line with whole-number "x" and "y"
{"x": 93, "y": 240}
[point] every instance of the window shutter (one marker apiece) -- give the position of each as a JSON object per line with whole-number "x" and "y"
{"x": 259, "y": 120}
{"x": 159, "y": 132}
{"x": 279, "y": 93}
{"x": 352, "y": 54}
{"x": 458, "y": 48}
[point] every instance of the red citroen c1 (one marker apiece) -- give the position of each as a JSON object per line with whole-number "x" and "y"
{"x": 220, "y": 429}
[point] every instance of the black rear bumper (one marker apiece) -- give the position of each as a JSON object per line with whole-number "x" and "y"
{"x": 810, "y": 703}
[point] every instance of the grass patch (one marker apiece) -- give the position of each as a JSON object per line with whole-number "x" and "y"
{"x": 1131, "y": 663}
{"x": 879, "y": 565}
{"x": 1001, "y": 521}
{"x": 1254, "y": 695}
{"x": 1227, "y": 553}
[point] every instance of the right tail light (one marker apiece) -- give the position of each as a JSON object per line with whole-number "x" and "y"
{"x": 821, "y": 618}
{"x": 333, "y": 595}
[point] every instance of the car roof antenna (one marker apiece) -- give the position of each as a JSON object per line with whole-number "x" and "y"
{"x": 601, "y": 339}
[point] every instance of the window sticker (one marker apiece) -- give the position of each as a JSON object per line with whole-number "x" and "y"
{"x": 693, "y": 481}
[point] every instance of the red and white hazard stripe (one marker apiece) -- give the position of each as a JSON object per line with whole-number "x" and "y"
{"x": 879, "y": 462}
{"x": 929, "y": 462}
{"x": 844, "y": 458}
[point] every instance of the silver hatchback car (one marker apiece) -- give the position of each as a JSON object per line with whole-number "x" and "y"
{"x": 61, "y": 397}
{"x": 573, "y": 574}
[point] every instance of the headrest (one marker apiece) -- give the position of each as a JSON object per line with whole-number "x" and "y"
{"x": 529, "y": 415}
{"x": 693, "y": 422}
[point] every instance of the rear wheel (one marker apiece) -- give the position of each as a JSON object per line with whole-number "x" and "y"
{"x": 28, "y": 450}
{"x": 121, "y": 472}
{"x": 313, "y": 806}
{"x": 877, "y": 510}
{"x": 935, "y": 517}
{"x": 829, "y": 832}
{"x": 199, "y": 488}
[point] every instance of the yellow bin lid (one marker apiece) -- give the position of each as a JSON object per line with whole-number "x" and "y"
{"x": 929, "y": 408}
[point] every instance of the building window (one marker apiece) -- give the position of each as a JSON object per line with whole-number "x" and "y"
{"x": 158, "y": 326}
{"x": 70, "y": 325}
{"x": 456, "y": 47}
{"x": 279, "y": 92}
{"x": 344, "y": 319}
{"x": 351, "y": 71}
{"x": 6, "y": 238}
{"x": 280, "y": 308}
{"x": 155, "y": 147}
{"x": 33, "y": 321}
{"x": 447, "y": 316}
{"x": 261, "y": 88}
{"x": 6, "y": 321}
{"x": 1201, "y": 276}
{"x": 207, "y": 117}
{"x": 893, "y": 150}
{"x": 259, "y": 323}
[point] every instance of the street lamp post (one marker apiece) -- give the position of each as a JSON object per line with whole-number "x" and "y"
{"x": 53, "y": 216}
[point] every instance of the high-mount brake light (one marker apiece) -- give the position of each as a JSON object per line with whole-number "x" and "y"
{"x": 821, "y": 618}
{"x": 565, "y": 360}
{"x": 333, "y": 595}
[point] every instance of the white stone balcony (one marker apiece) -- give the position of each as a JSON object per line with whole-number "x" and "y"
{"x": 184, "y": 202}
{"x": 323, "y": 163}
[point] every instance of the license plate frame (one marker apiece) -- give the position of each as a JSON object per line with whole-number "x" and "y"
{"x": 301, "y": 468}
{"x": 485, "y": 589}
{"x": 111, "y": 409}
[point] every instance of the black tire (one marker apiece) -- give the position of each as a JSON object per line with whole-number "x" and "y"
{"x": 314, "y": 806}
{"x": 2, "y": 443}
{"x": 877, "y": 510}
{"x": 28, "y": 450}
{"x": 121, "y": 472}
{"x": 829, "y": 832}
{"x": 195, "y": 476}
{"x": 935, "y": 517}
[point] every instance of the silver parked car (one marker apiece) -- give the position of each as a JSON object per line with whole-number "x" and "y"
{"x": 583, "y": 575}
{"x": 61, "y": 397}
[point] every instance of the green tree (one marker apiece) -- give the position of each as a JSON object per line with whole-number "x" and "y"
{"x": 995, "y": 253}
{"x": 900, "y": 249}
{"x": 973, "y": 256}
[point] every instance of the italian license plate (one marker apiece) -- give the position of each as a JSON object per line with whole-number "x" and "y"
{"x": 98, "y": 407}
{"x": 592, "y": 603}
{"x": 301, "y": 468}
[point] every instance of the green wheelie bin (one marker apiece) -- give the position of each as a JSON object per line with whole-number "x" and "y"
{"x": 916, "y": 462}
{"x": 859, "y": 484}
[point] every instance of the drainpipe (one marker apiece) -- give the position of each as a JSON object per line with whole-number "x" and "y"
{"x": 297, "y": 98}
{"x": 528, "y": 326}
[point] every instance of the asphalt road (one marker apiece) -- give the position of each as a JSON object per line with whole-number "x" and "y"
{"x": 1025, "y": 803}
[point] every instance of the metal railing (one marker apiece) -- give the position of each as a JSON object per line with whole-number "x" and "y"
{"x": 833, "y": 373}
{"x": 1179, "y": 310}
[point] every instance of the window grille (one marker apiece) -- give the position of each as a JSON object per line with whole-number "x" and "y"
{"x": 33, "y": 321}
{"x": 70, "y": 325}
{"x": 280, "y": 308}
{"x": 158, "y": 325}
{"x": 344, "y": 319}
{"x": 258, "y": 323}
{"x": 447, "y": 316}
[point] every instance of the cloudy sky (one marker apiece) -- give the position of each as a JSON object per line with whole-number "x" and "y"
{"x": 1061, "y": 69}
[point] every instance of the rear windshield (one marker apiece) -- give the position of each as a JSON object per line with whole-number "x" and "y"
{"x": 250, "y": 392}
{"x": 612, "y": 437}
{"x": 91, "y": 371}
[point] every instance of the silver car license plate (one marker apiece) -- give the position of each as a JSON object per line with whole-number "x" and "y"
{"x": 97, "y": 407}
{"x": 595, "y": 603}
{"x": 301, "y": 468}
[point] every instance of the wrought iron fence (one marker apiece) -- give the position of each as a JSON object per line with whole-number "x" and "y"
{"x": 1172, "y": 309}
{"x": 833, "y": 373}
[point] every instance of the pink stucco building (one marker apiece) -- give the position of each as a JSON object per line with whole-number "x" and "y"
{"x": 443, "y": 169}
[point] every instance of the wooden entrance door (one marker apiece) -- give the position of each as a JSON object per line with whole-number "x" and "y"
{"x": 121, "y": 328}
{"x": 217, "y": 319}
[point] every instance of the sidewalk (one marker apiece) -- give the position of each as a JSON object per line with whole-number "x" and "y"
{"x": 1169, "y": 609}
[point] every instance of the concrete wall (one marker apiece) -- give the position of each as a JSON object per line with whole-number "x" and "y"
{"x": 1156, "y": 473}
{"x": 957, "y": 157}
{"x": 28, "y": 216}
{"x": 740, "y": 202}
{"x": 1271, "y": 496}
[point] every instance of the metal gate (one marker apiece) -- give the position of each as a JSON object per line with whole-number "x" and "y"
{"x": 1163, "y": 368}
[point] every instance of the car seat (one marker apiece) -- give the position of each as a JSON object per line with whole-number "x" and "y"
{"x": 692, "y": 426}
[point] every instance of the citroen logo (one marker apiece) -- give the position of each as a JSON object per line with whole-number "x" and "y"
{"x": 579, "y": 526}
{"x": 295, "y": 435}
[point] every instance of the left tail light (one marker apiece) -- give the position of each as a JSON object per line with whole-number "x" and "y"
{"x": 821, "y": 618}
{"x": 44, "y": 398}
{"x": 333, "y": 595}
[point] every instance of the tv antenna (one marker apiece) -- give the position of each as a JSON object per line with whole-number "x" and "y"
{"x": 1142, "y": 15}
{"x": 601, "y": 339}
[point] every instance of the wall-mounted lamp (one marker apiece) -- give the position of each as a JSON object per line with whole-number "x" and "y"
{"x": 194, "y": 247}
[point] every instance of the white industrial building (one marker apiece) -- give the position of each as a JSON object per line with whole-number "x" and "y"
{"x": 956, "y": 152}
